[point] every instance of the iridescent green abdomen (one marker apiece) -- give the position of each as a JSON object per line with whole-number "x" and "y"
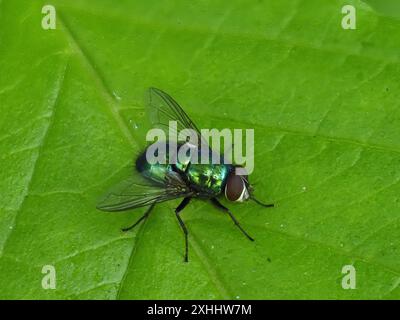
{"x": 156, "y": 172}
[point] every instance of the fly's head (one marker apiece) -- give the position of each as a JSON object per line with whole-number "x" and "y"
{"x": 237, "y": 187}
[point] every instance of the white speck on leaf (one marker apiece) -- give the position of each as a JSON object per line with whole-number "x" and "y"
{"x": 116, "y": 96}
{"x": 134, "y": 124}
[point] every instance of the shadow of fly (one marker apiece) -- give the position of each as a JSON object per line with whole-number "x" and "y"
{"x": 154, "y": 183}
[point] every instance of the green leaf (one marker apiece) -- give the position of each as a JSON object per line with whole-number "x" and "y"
{"x": 324, "y": 105}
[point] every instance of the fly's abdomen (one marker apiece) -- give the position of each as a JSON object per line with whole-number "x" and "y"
{"x": 156, "y": 172}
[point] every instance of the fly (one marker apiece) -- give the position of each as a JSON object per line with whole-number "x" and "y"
{"x": 155, "y": 183}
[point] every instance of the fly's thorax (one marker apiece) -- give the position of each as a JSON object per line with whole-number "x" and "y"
{"x": 208, "y": 178}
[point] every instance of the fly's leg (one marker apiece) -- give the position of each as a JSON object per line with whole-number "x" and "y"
{"x": 265, "y": 205}
{"x": 181, "y": 206}
{"x": 223, "y": 208}
{"x": 146, "y": 214}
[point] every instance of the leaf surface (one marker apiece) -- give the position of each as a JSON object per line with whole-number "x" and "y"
{"x": 324, "y": 105}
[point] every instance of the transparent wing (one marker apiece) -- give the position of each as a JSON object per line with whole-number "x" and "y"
{"x": 162, "y": 109}
{"x": 138, "y": 191}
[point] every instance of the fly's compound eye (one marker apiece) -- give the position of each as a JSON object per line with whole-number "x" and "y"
{"x": 236, "y": 189}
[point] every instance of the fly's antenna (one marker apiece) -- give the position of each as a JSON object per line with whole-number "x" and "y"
{"x": 260, "y": 203}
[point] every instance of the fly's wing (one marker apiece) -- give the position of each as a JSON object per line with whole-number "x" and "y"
{"x": 139, "y": 192}
{"x": 162, "y": 109}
